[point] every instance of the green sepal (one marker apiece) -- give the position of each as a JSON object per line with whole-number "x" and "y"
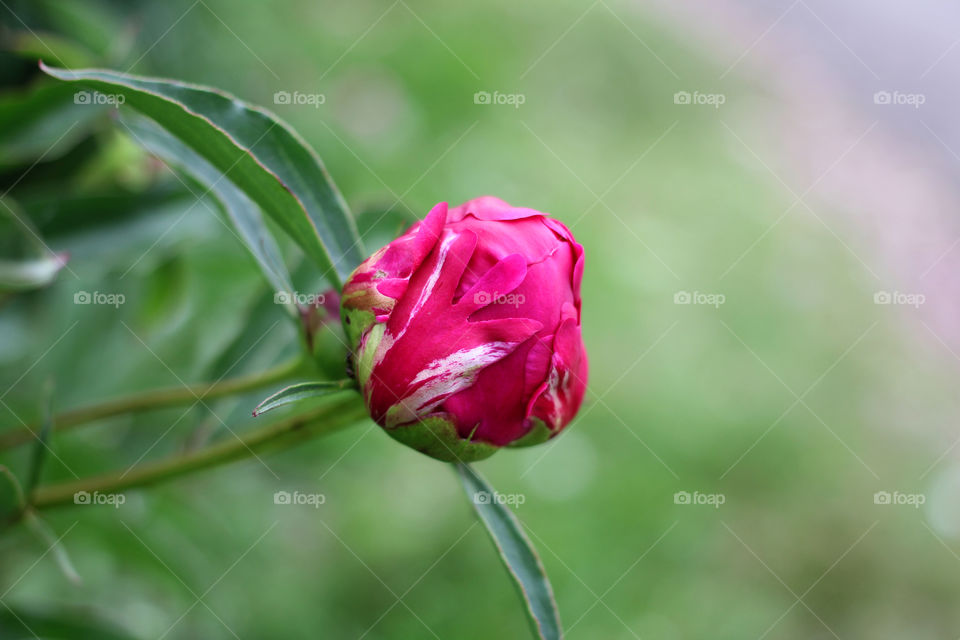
{"x": 538, "y": 434}
{"x": 363, "y": 358}
{"x": 355, "y": 322}
{"x": 438, "y": 438}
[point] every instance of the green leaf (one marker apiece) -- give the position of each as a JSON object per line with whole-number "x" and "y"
{"x": 22, "y": 275}
{"x": 517, "y": 554}
{"x": 41, "y": 447}
{"x": 262, "y": 155}
{"x": 54, "y": 545}
{"x": 242, "y": 214}
{"x": 45, "y": 122}
{"x": 35, "y": 265}
{"x": 302, "y": 391}
{"x": 11, "y": 496}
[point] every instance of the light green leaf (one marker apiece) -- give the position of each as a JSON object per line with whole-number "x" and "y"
{"x": 262, "y": 155}
{"x": 22, "y": 275}
{"x": 517, "y": 554}
{"x": 302, "y": 391}
{"x": 34, "y": 265}
{"x": 54, "y": 545}
{"x": 242, "y": 214}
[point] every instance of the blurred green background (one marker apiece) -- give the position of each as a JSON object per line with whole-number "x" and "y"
{"x": 796, "y": 399}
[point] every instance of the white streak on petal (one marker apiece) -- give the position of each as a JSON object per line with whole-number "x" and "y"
{"x": 431, "y": 282}
{"x": 552, "y": 394}
{"x": 446, "y": 376}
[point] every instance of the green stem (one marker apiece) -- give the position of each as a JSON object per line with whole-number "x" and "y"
{"x": 154, "y": 399}
{"x": 340, "y": 411}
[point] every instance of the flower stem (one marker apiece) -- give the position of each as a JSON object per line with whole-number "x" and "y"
{"x": 154, "y": 399}
{"x": 336, "y": 413}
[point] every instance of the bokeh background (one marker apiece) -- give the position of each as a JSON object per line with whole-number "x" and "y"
{"x": 804, "y": 200}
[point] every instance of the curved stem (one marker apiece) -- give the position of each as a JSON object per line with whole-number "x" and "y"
{"x": 339, "y": 412}
{"x": 154, "y": 399}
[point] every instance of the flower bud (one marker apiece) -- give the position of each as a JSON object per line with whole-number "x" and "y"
{"x": 465, "y": 331}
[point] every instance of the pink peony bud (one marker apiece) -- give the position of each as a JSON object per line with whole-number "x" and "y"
{"x": 465, "y": 331}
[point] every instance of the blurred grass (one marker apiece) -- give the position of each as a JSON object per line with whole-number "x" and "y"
{"x": 676, "y": 397}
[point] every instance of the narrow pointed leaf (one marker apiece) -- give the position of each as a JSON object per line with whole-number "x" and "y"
{"x": 517, "y": 553}
{"x": 54, "y": 545}
{"x": 241, "y": 213}
{"x": 11, "y": 496}
{"x": 302, "y": 391}
{"x": 32, "y": 265}
{"x": 262, "y": 155}
{"x": 32, "y": 273}
{"x": 41, "y": 447}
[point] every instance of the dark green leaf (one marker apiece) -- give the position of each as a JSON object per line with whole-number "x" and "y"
{"x": 258, "y": 152}
{"x": 302, "y": 391}
{"x": 41, "y": 447}
{"x": 45, "y": 122}
{"x": 517, "y": 553}
{"x": 11, "y": 496}
{"x": 242, "y": 214}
